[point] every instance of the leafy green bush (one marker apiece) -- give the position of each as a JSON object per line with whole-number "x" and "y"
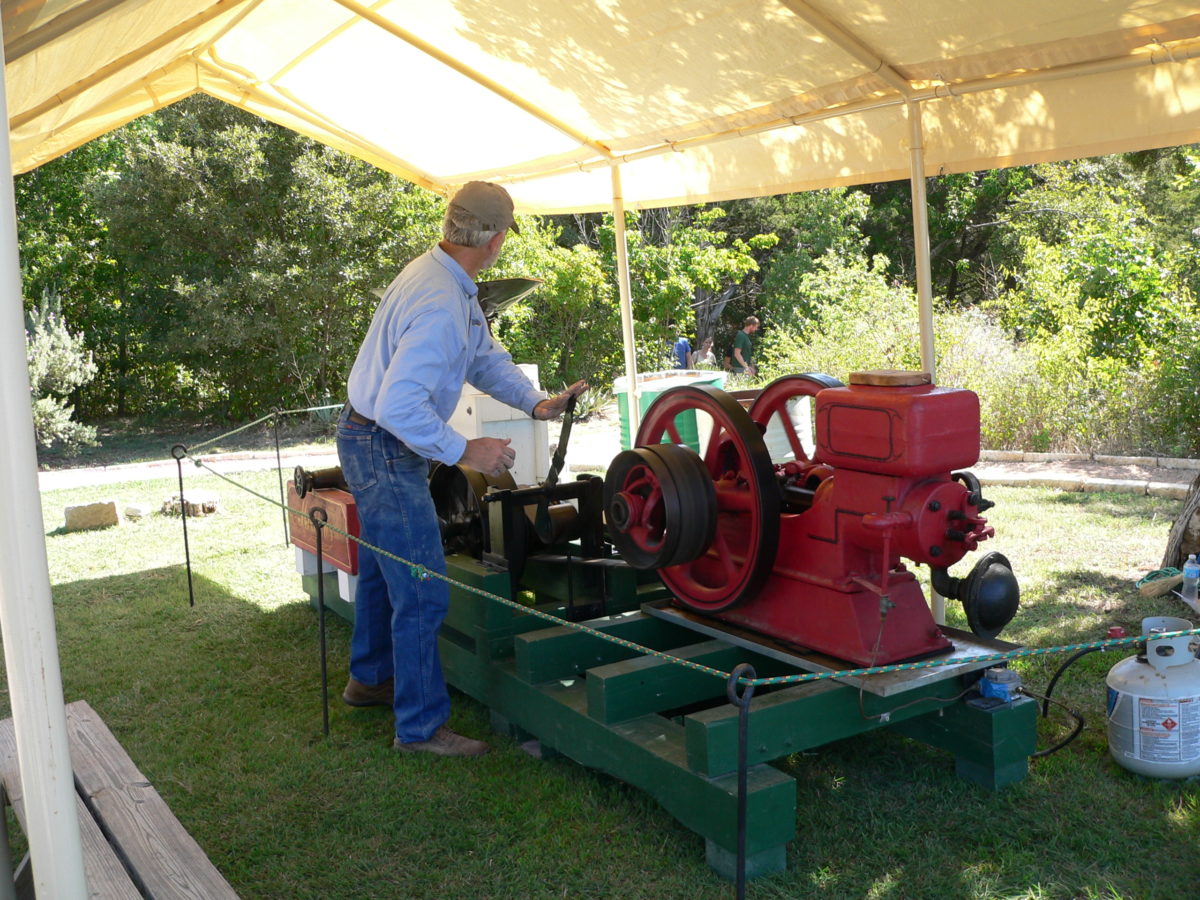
{"x": 58, "y": 364}
{"x": 858, "y": 321}
{"x": 1055, "y": 393}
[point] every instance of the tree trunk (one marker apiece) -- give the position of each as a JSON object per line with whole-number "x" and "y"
{"x": 1185, "y": 533}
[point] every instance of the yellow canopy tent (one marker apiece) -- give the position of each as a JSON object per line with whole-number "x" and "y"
{"x": 696, "y": 99}
{"x": 574, "y": 105}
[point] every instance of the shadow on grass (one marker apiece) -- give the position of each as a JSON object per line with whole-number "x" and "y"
{"x": 883, "y": 816}
{"x": 1078, "y": 605}
{"x": 219, "y": 705}
{"x": 1110, "y": 504}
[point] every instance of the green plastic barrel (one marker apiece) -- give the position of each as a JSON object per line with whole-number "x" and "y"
{"x": 652, "y": 385}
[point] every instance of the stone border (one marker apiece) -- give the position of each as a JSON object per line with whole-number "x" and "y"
{"x": 1077, "y": 483}
{"x": 1158, "y": 462}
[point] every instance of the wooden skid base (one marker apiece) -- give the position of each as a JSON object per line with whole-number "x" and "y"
{"x": 670, "y": 730}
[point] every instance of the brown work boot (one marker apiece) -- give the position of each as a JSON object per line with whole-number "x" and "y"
{"x": 444, "y": 743}
{"x": 359, "y": 694}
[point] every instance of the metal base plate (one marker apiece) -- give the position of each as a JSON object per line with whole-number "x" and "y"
{"x": 885, "y": 684}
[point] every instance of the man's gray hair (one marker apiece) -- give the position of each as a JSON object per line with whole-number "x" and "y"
{"x": 463, "y": 228}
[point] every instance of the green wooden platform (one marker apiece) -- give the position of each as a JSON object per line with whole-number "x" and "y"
{"x": 670, "y": 731}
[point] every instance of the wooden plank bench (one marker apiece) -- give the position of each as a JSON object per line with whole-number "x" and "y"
{"x": 133, "y": 845}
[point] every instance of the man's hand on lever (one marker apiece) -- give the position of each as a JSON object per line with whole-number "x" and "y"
{"x": 553, "y": 407}
{"x": 491, "y": 456}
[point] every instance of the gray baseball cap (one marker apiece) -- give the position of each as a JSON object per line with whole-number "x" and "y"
{"x": 487, "y": 202}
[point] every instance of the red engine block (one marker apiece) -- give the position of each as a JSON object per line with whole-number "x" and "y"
{"x": 809, "y": 552}
{"x": 883, "y": 491}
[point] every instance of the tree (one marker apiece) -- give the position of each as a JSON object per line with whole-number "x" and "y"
{"x": 58, "y": 364}
{"x": 684, "y": 268}
{"x": 251, "y": 255}
{"x": 64, "y": 254}
{"x": 966, "y": 211}
{"x": 810, "y": 227}
{"x": 570, "y": 327}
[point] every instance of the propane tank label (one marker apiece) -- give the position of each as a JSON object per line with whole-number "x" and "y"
{"x": 1166, "y": 730}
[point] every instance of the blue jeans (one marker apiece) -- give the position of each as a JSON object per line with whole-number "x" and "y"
{"x": 396, "y": 615}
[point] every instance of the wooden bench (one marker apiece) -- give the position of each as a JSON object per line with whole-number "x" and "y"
{"x": 133, "y": 845}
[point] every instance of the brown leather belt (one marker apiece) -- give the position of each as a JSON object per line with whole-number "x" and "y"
{"x": 356, "y": 418}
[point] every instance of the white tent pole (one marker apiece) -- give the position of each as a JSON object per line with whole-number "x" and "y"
{"x": 632, "y": 391}
{"x": 921, "y": 237}
{"x": 920, "y": 205}
{"x": 26, "y": 614}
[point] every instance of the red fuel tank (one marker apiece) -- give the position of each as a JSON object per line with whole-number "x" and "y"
{"x": 884, "y": 423}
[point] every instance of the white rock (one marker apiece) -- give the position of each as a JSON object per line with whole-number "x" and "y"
{"x": 92, "y": 515}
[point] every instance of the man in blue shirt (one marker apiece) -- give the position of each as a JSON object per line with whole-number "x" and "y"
{"x": 427, "y": 338}
{"x": 683, "y": 352}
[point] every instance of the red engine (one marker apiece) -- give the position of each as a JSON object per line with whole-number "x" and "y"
{"x": 808, "y": 551}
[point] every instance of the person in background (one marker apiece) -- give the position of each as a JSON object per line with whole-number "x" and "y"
{"x": 743, "y": 349}
{"x": 705, "y": 355}
{"x": 427, "y": 338}
{"x": 683, "y": 352}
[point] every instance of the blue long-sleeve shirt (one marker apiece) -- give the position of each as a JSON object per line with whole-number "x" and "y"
{"x": 427, "y": 338}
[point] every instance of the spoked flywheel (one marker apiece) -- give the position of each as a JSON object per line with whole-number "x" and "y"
{"x": 739, "y": 504}
{"x": 773, "y": 408}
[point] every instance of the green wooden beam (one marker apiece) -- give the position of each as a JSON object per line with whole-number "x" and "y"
{"x": 563, "y": 652}
{"x": 647, "y": 752}
{"x": 991, "y": 747}
{"x": 796, "y": 718}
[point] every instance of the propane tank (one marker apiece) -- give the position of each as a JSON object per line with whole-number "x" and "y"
{"x": 1154, "y": 704}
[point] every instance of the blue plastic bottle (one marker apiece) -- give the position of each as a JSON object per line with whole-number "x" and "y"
{"x": 1191, "y": 579}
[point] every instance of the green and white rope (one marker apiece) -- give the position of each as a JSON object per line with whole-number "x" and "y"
{"x": 423, "y": 573}
{"x": 259, "y": 421}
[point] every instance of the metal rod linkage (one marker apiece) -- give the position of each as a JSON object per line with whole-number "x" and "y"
{"x": 179, "y": 451}
{"x": 279, "y": 472}
{"x": 318, "y": 517}
{"x": 742, "y": 702}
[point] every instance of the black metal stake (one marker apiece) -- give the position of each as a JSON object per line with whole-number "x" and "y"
{"x": 279, "y": 472}
{"x": 179, "y": 452}
{"x": 742, "y": 702}
{"x": 318, "y": 517}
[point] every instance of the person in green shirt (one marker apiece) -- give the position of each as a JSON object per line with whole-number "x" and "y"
{"x": 743, "y": 349}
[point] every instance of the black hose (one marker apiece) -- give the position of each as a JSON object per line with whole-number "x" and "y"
{"x": 1080, "y": 723}
{"x": 1075, "y": 732}
{"x": 1053, "y": 681}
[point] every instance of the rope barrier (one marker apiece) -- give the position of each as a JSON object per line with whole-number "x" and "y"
{"x": 416, "y": 570}
{"x": 273, "y": 414}
{"x": 222, "y": 437}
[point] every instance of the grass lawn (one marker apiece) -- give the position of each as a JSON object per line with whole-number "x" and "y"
{"x": 220, "y": 707}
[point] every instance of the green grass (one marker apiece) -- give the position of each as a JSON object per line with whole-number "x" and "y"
{"x": 220, "y": 707}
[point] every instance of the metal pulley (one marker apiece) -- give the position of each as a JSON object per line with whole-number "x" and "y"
{"x": 318, "y": 479}
{"x": 661, "y": 506}
{"x": 708, "y": 520}
{"x": 458, "y": 493}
